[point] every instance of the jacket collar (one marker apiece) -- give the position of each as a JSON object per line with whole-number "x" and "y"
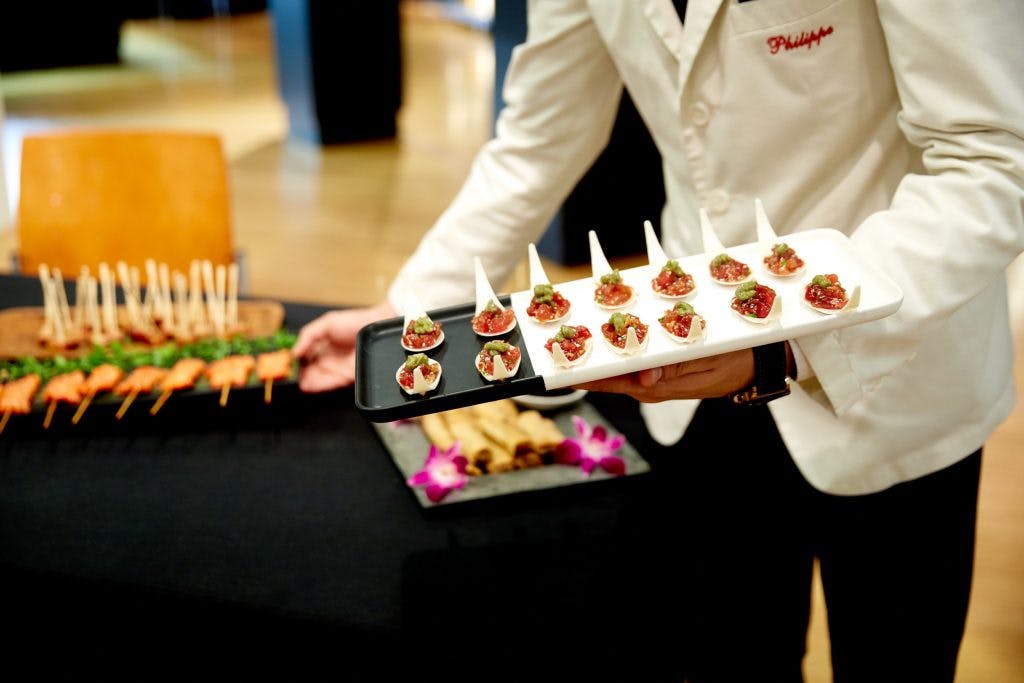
{"x": 682, "y": 40}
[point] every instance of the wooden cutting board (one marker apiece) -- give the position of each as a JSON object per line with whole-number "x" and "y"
{"x": 19, "y": 328}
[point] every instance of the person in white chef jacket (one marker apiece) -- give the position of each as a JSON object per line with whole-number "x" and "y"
{"x": 900, "y": 123}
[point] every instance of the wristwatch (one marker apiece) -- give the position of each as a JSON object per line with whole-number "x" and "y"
{"x": 770, "y": 378}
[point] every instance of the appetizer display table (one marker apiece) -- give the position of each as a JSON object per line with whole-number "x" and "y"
{"x": 288, "y": 528}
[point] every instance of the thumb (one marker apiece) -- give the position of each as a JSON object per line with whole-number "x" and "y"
{"x": 648, "y": 378}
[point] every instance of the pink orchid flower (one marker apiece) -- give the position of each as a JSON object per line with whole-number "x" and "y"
{"x": 592, "y": 448}
{"x": 443, "y": 472}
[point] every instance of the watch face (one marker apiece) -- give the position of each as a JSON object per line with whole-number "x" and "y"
{"x": 770, "y": 381}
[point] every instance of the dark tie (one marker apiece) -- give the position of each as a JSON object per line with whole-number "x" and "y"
{"x": 680, "y": 8}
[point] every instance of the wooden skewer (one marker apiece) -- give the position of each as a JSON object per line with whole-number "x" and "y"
{"x": 86, "y": 400}
{"x": 267, "y": 386}
{"x": 4, "y": 419}
{"x": 183, "y": 316}
{"x": 49, "y": 414}
{"x": 49, "y": 305}
{"x": 111, "y": 330}
{"x": 221, "y": 293}
{"x": 92, "y": 312}
{"x": 167, "y": 314}
{"x": 231, "y": 307}
{"x": 127, "y": 402}
{"x": 78, "y": 315}
{"x": 62, "y": 302}
{"x": 152, "y": 304}
{"x": 161, "y": 401}
{"x": 58, "y": 318}
{"x": 211, "y": 296}
{"x": 224, "y": 394}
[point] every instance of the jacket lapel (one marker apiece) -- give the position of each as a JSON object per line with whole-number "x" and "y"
{"x": 682, "y": 39}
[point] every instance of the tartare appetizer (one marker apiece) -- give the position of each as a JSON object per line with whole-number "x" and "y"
{"x": 783, "y": 261}
{"x": 418, "y": 374}
{"x": 825, "y": 293}
{"x": 755, "y": 302}
{"x": 612, "y": 292}
{"x": 682, "y": 323}
{"x": 493, "y": 320}
{"x": 570, "y": 346}
{"x": 625, "y": 333}
{"x": 672, "y": 281}
{"x": 498, "y": 360}
{"x": 727, "y": 270}
{"x": 422, "y": 334}
{"x": 547, "y": 305}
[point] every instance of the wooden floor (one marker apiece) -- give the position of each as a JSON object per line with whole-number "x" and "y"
{"x": 333, "y": 225}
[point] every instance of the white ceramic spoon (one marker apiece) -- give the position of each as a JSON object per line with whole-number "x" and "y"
{"x": 767, "y": 238}
{"x": 657, "y": 259}
{"x": 713, "y": 247}
{"x": 484, "y": 296}
{"x": 414, "y": 311}
{"x": 599, "y": 267}
{"x": 539, "y": 277}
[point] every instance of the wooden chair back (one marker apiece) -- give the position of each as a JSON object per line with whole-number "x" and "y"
{"x": 92, "y": 196}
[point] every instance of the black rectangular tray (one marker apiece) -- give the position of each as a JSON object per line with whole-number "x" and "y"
{"x": 379, "y": 397}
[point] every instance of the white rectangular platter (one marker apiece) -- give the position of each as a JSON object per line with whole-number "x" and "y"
{"x": 823, "y": 250}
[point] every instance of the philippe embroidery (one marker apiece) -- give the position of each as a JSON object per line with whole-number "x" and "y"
{"x": 804, "y": 39}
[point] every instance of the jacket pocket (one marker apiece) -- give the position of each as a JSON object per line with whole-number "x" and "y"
{"x": 754, "y": 16}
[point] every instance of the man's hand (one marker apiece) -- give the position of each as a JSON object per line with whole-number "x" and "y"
{"x": 708, "y": 377}
{"x": 326, "y": 347}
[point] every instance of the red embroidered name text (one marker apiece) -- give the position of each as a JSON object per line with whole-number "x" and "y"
{"x": 804, "y": 39}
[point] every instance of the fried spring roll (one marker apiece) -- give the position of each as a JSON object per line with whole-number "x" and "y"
{"x": 436, "y": 430}
{"x": 543, "y": 431}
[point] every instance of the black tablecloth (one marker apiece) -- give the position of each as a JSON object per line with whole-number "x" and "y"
{"x": 287, "y": 528}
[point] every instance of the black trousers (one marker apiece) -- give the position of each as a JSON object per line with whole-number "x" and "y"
{"x": 735, "y": 530}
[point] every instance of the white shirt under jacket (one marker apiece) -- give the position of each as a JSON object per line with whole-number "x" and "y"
{"x": 899, "y": 122}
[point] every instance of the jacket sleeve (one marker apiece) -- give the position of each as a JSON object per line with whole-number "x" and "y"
{"x": 953, "y": 228}
{"x": 561, "y": 96}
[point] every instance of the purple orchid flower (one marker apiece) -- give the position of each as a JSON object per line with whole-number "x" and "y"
{"x": 443, "y": 472}
{"x": 592, "y": 448}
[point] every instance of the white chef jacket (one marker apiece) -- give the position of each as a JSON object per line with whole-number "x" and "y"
{"x": 898, "y": 122}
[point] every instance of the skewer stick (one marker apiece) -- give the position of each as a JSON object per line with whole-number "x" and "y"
{"x": 152, "y": 304}
{"x": 160, "y": 401}
{"x": 184, "y": 317}
{"x": 58, "y": 318}
{"x": 224, "y": 394}
{"x": 49, "y": 306}
{"x": 195, "y": 294}
{"x": 130, "y": 303}
{"x": 108, "y": 304}
{"x": 127, "y": 402}
{"x": 267, "y": 386}
{"x": 92, "y": 311}
{"x": 143, "y": 318}
{"x": 80, "y": 299}
{"x": 62, "y": 301}
{"x": 50, "y": 409}
{"x": 86, "y": 400}
{"x": 4, "y": 419}
{"x": 232, "y": 303}
{"x": 167, "y": 312}
{"x": 221, "y": 297}
{"x": 211, "y": 295}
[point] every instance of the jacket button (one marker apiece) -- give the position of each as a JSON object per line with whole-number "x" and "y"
{"x": 700, "y": 114}
{"x": 718, "y": 201}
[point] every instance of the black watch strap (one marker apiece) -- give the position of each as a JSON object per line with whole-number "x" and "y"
{"x": 770, "y": 377}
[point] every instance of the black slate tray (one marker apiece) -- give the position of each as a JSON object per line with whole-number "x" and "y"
{"x": 379, "y": 397}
